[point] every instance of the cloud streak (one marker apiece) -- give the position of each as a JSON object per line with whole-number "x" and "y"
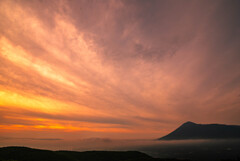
{"x": 133, "y": 67}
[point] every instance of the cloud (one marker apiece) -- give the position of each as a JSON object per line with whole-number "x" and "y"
{"x": 127, "y": 64}
{"x": 38, "y": 139}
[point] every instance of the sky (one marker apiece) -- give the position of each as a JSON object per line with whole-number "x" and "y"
{"x": 132, "y": 69}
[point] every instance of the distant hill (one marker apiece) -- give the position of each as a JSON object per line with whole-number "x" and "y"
{"x": 191, "y": 130}
{"x": 29, "y": 154}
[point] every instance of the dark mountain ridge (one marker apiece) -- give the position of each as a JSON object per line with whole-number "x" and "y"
{"x": 191, "y": 130}
{"x": 29, "y": 154}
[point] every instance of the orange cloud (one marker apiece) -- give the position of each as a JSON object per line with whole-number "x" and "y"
{"x": 136, "y": 68}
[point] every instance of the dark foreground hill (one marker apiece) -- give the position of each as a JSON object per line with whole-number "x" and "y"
{"x": 190, "y": 130}
{"x": 29, "y": 154}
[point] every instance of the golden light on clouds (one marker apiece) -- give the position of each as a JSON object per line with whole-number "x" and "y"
{"x": 18, "y": 56}
{"x": 36, "y": 103}
{"x": 115, "y": 68}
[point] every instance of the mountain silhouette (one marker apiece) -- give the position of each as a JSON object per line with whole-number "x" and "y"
{"x": 29, "y": 154}
{"x": 191, "y": 130}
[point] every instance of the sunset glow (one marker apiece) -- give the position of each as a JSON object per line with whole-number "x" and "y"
{"x": 117, "y": 69}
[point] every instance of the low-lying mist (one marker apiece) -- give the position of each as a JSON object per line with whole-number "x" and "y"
{"x": 182, "y": 149}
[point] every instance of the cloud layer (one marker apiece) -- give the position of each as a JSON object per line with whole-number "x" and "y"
{"x": 132, "y": 69}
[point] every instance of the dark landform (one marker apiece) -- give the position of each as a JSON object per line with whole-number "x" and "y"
{"x": 191, "y": 141}
{"x": 29, "y": 154}
{"x": 191, "y": 130}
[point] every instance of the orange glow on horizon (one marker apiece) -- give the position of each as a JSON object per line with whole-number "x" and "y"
{"x": 112, "y": 71}
{"x": 36, "y": 103}
{"x": 63, "y": 128}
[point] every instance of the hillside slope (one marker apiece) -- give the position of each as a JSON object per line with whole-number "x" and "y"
{"x": 190, "y": 130}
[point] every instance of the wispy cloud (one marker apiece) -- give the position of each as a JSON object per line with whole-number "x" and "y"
{"x": 132, "y": 67}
